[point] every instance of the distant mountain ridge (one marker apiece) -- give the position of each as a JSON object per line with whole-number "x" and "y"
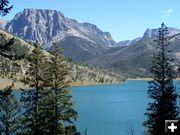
{"x": 47, "y": 25}
{"x": 85, "y": 42}
{"x": 135, "y": 60}
{"x": 152, "y": 33}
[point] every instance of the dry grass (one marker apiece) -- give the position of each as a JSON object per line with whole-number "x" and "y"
{"x": 8, "y": 82}
{"x": 79, "y": 83}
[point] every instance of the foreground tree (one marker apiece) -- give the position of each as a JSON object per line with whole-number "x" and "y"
{"x": 163, "y": 105}
{"x": 9, "y": 106}
{"x": 32, "y": 99}
{"x": 4, "y": 7}
{"x": 9, "y": 109}
{"x": 64, "y": 112}
{"x": 48, "y": 105}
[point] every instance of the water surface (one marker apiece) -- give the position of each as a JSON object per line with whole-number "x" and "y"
{"x": 111, "y": 109}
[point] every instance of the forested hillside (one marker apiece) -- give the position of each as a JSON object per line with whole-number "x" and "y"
{"x": 15, "y": 52}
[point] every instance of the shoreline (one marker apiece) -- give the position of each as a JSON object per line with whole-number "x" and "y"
{"x": 76, "y": 84}
{"x": 140, "y": 79}
{"x": 4, "y": 82}
{"x": 148, "y": 79}
{"x": 8, "y": 82}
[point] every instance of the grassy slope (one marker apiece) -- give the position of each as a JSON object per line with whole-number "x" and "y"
{"x": 135, "y": 60}
{"x": 79, "y": 73}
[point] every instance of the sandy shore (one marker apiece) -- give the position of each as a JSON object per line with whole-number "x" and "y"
{"x": 87, "y": 83}
{"x": 8, "y": 82}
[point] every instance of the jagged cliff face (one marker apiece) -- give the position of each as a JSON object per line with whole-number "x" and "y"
{"x": 46, "y": 26}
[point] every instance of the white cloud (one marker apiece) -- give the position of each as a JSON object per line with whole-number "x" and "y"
{"x": 167, "y": 12}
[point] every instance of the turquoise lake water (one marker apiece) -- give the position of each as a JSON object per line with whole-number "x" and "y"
{"x": 111, "y": 109}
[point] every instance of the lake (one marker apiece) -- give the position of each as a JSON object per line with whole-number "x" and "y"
{"x": 111, "y": 109}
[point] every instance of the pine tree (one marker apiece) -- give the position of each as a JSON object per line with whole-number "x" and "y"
{"x": 64, "y": 111}
{"x": 4, "y": 8}
{"x": 32, "y": 99}
{"x": 9, "y": 106}
{"x": 9, "y": 109}
{"x": 5, "y": 63}
{"x": 163, "y": 105}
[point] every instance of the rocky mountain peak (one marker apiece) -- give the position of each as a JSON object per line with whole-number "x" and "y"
{"x": 46, "y": 25}
{"x": 151, "y": 33}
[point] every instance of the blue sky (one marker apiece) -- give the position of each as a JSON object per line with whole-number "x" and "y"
{"x": 124, "y": 19}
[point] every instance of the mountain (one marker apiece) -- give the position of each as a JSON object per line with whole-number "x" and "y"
{"x": 132, "y": 60}
{"x": 124, "y": 43}
{"x": 152, "y": 33}
{"x": 85, "y": 42}
{"x": 47, "y": 26}
{"x": 18, "y": 51}
{"x": 127, "y": 42}
{"x": 135, "y": 60}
